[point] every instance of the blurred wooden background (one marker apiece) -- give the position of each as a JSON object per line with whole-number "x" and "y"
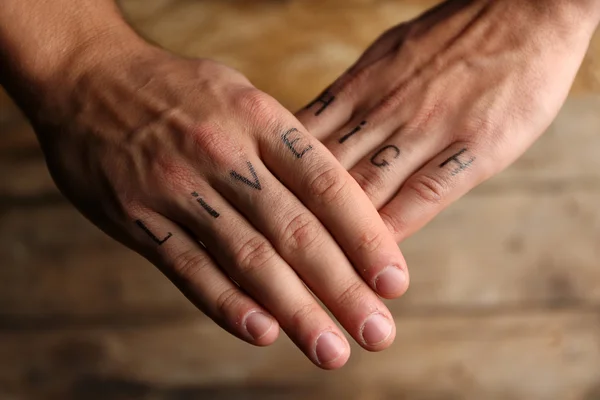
{"x": 505, "y": 297}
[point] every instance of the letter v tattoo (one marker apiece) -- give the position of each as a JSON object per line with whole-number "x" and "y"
{"x": 256, "y": 184}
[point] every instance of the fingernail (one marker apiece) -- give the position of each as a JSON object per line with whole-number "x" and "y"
{"x": 258, "y": 324}
{"x": 376, "y": 329}
{"x": 329, "y": 348}
{"x": 391, "y": 281}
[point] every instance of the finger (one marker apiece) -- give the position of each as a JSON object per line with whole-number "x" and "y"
{"x": 305, "y": 167}
{"x": 309, "y": 249}
{"x": 193, "y": 271}
{"x": 369, "y": 129}
{"x": 443, "y": 180}
{"x": 383, "y": 171}
{"x": 251, "y": 261}
{"x": 328, "y": 112}
{"x": 355, "y": 89}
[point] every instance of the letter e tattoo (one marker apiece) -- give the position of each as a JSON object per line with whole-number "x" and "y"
{"x": 290, "y": 143}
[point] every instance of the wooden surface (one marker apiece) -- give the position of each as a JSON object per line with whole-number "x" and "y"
{"x": 505, "y": 296}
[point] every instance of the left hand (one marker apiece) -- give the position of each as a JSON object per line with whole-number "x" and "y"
{"x": 440, "y": 104}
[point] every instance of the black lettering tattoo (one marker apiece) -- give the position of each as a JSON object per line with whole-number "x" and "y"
{"x": 205, "y": 205}
{"x": 152, "y": 235}
{"x": 325, "y": 99}
{"x": 382, "y": 162}
{"x": 354, "y": 132}
{"x": 253, "y": 184}
{"x": 462, "y": 165}
{"x": 290, "y": 144}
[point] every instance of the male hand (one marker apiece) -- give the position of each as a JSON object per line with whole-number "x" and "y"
{"x": 224, "y": 190}
{"x": 438, "y": 105}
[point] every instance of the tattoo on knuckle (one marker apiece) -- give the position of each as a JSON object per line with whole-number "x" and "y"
{"x": 324, "y": 100}
{"x": 328, "y": 186}
{"x": 301, "y": 232}
{"x": 460, "y": 162}
{"x": 290, "y": 138}
{"x": 253, "y": 183}
{"x": 156, "y": 239}
{"x": 253, "y": 254}
{"x": 353, "y": 132}
{"x": 382, "y": 157}
{"x": 211, "y": 211}
{"x": 428, "y": 188}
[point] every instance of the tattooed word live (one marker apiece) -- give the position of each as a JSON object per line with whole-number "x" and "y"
{"x": 461, "y": 164}
{"x": 379, "y": 159}
{"x": 255, "y": 184}
{"x": 211, "y": 211}
{"x": 353, "y": 132}
{"x": 290, "y": 143}
{"x": 325, "y": 100}
{"x": 152, "y": 235}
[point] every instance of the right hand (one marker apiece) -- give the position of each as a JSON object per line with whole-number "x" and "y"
{"x": 221, "y": 188}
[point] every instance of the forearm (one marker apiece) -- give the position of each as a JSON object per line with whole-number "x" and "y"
{"x": 41, "y": 40}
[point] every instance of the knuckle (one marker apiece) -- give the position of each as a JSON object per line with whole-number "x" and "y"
{"x": 227, "y": 301}
{"x": 253, "y": 254}
{"x": 369, "y": 242}
{"x": 171, "y": 175}
{"x": 395, "y": 224}
{"x": 260, "y": 108}
{"x": 429, "y": 115}
{"x": 428, "y": 188}
{"x": 302, "y": 313}
{"x": 353, "y": 292}
{"x": 212, "y": 146}
{"x": 371, "y": 182}
{"x": 328, "y": 186}
{"x": 301, "y": 232}
{"x": 188, "y": 264}
{"x": 393, "y": 101}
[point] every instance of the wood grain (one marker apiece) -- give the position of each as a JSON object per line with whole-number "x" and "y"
{"x": 505, "y": 297}
{"x": 544, "y": 356}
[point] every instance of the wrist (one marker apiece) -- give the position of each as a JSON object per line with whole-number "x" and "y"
{"x": 45, "y": 46}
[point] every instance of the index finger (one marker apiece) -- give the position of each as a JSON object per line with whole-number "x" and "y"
{"x": 313, "y": 174}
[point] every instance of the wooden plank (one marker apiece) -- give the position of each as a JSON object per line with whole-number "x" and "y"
{"x": 485, "y": 253}
{"x": 54, "y": 263}
{"x": 533, "y": 356}
{"x": 324, "y": 39}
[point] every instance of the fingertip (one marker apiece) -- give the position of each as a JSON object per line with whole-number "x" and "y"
{"x": 331, "y": 351}
{"x": 392, "y": 282}
{"x": 377, "y": 332}
{"x": 261, "y": 329}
